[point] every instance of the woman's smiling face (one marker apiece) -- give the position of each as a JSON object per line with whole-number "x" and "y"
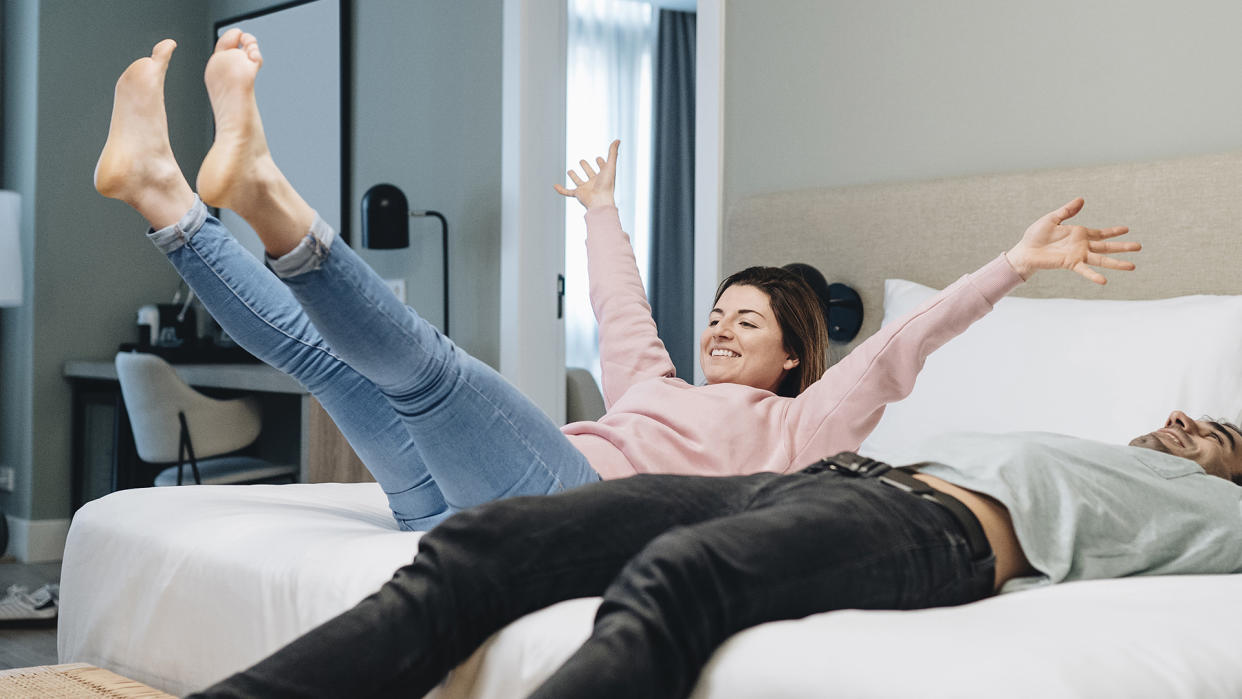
{"x": 743, "y": 343}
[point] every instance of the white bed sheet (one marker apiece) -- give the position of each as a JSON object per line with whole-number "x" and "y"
{"x": 1154, "y": 637}
{"x": 178, "y": 587}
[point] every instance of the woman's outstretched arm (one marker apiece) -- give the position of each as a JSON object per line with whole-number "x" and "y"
{"x": 841, "y": 409}
{"x": 630, "y": 350}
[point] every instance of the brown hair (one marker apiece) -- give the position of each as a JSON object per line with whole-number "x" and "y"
{"x": 1225, "y": 424}
{"x": 804, "y": 330}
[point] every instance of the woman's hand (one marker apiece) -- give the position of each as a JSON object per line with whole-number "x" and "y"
{"x": 596, "y": 189}
{"x": 1051, "y": 244}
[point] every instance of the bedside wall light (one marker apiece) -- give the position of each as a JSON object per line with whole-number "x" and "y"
{"x": 386, "y": 218}
{"x": 842, "y": 306}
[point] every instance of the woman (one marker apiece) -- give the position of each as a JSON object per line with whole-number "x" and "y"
{"x": 792, "y": 336}
{"x": 440, "y": 430}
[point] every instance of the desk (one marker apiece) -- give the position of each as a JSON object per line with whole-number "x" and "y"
{"x": 296, "y": 429}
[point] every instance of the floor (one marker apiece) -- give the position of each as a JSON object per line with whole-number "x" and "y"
{"x": 27, "y": 646}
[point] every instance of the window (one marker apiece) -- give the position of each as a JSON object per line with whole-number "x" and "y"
{"x": 608, "y": 95}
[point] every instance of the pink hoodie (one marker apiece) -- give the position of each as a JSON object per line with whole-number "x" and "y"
{"x": 657, "y": 423}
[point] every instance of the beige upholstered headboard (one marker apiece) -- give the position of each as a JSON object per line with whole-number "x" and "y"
{"x": 1187, "y": 212}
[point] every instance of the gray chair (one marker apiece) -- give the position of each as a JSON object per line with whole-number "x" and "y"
{"x": 175, "y": 424}
{"x": 583, "y": 399}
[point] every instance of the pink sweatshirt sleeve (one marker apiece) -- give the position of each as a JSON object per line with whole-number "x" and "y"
{"x": 837, "y": 412}
{"x": 629, "y": 349}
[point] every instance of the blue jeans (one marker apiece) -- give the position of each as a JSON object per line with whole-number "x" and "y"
{"x": 682, "y": 563}
{"x": 439, "y": 430}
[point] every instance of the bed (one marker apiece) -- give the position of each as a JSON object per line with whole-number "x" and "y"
{"x": 178, "y": 587}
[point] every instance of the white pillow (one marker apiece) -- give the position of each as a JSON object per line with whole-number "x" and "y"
{"x": 1106, "y": 370}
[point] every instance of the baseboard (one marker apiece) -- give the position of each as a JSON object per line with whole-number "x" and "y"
{"x": 37, "y": 541}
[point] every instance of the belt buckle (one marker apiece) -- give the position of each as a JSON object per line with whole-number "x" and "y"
{"x": 847, "y": 463}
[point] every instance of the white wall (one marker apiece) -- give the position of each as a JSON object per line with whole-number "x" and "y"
{"x": 532, "y": 342}
{"x": 835, "y": 92}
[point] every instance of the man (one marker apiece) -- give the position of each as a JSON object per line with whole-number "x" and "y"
{"x": 683, "y": 562}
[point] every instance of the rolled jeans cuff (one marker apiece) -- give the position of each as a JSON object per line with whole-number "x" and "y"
{"x": 172, "y": 237}
{"x": 309, "y": 253}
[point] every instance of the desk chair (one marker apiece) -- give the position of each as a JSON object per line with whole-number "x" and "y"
{"x": 175, "y": 424}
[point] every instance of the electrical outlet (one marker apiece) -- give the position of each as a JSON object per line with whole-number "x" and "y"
{"x": 398, "y": 288}
{"x": 8, "y": 478}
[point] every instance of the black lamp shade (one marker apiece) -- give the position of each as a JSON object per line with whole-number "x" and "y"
{"x": 842, "y": 306}
{"x": 385, "y": 218}
{"x": 845, "y": 313}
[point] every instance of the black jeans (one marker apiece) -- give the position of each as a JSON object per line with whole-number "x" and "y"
{"x": 682, "y": 563}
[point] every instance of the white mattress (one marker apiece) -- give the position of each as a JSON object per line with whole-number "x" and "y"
{"x": 178, "y": 587}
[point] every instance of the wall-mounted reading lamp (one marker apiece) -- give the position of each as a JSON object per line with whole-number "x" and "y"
{"x": 842, "y": 306}
{"x": 386, "y": 218}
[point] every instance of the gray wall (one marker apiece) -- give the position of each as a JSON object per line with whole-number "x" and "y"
{"x": 20, "y": 42}
{"x": 88, "y": 265}
{"x": 434, "y": 131}
{"x": 892, "y": 90}
{"x": 427, "y": 119}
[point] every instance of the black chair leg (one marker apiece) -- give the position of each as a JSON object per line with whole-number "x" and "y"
{"x": 185, "y": 449}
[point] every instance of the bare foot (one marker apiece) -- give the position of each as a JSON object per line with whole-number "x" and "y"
{"x": 137, "y": 164}
{"x": 238, "y": 172}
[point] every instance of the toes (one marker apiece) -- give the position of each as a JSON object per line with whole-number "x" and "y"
{"x": 163, "y": 51}
{"x": 250, "y": 45}
{"x": 229, "y": 39}
{"x": 235, "y": 38}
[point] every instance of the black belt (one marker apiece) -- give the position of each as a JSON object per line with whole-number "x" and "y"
{"x": 850, "y": 464}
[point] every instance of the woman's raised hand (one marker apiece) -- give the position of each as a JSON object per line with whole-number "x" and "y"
{"x": 1049, "y": 243}
{"x": 596, "y": 189}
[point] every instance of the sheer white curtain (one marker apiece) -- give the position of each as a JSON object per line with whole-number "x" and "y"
{"x": 609, "y": 92}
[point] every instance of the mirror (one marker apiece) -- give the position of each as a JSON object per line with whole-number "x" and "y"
{"x": 303, "y": 92}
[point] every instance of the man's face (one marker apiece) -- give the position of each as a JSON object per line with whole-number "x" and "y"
{"x": 1212, "y": 445}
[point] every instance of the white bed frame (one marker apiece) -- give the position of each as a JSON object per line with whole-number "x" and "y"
{"x": 180, "y": 587}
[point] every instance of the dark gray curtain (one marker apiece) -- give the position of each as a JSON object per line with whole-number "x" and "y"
{"x": 672, "y": 198}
